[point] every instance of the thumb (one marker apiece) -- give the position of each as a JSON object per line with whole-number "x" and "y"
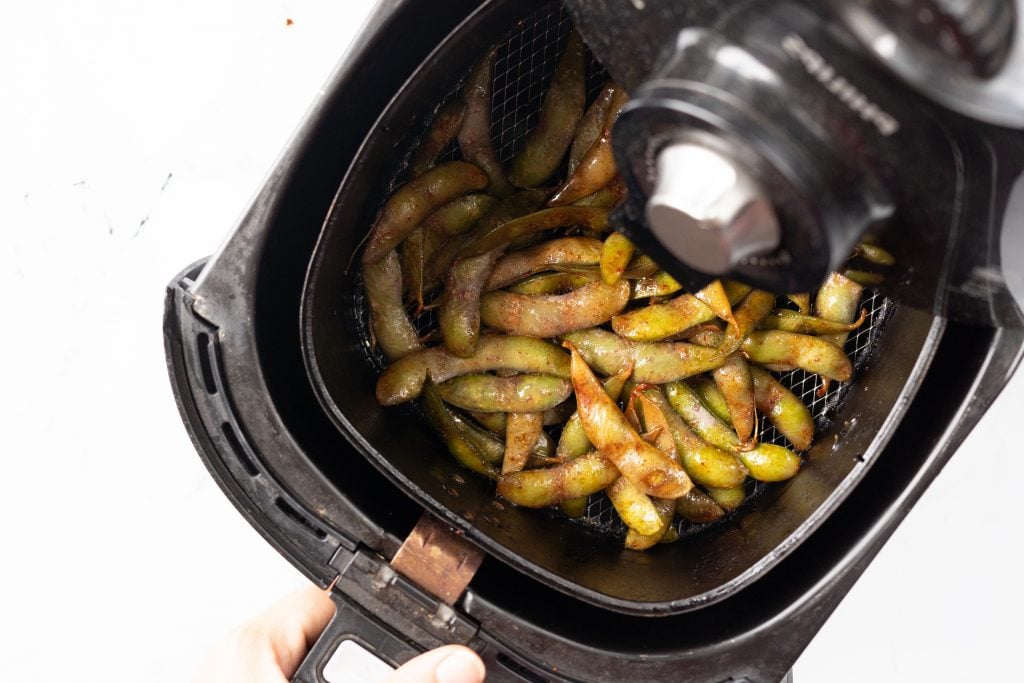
{"x": 448, "y": 664}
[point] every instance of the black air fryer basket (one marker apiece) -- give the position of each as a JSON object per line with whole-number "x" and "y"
{"x": 336, "y": 482}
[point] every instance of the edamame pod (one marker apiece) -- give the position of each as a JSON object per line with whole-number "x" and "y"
{"x": 475, "y": 133}
{"x": 665, "y": 510}
{"x": 705, "y": 463}
{"x": 391, "y": 326}
{"x": 517, "y": 394}
{"x": 728, "y": 499}
{"x": 698, "y": 507}
{"x": 559, "y": 115}
{"x": 643, "y": 465}
{"x": 573, "y": 441}
{"x": 872, "y": 253}
{"x": 403, "y": 380}
{"x": 552, "y": 315}
{"x": 608, "y": 197}
{"x": 838, "y": 300}
{"x": 813, "y": 354}
{"x": 442, "y": 131}
{"x": 459, "y": 317}
{"x": 791, "y": 321}
{"x": 417, "y": 199}
{"x": 711, "y": 397}
{"x": 597, "y": 167}
{"x": 545, "y": 219}
{"x": 551, "y": 283}
{"x": 769, "y": 462}
{"x": 653, "y": 362}
{"x": 522, "y": 432}
{"x": 716, "y": 298}
{"x": 636, "y": 508}
{"x": 565, "y": 252}
{"x": 615, "y": 257}
{"x": 577, "y": 478}
{"x": 458, "y": 444}
{"x": 659, "y": 284}
{"x": 755, "y": 306}
{"x": 658, "y": 321}
{"x": 737, "y": 387}
{"x": 787, "y": 412}
{"x": 590, "y": 125}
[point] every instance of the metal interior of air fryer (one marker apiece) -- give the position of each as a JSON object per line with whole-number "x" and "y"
{"x": 583, "y": 557}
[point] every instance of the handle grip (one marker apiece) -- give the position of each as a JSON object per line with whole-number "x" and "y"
{"x": 379, "y": 650}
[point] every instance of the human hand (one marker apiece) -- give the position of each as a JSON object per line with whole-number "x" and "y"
{"x": 270, "y": 647}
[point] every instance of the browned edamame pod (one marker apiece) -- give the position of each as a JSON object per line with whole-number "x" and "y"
{"x": 872, "y": 253}
{"x": 698, "y": 507}
{"x": 442, "y": 131}
{"x": 497, "y": 424}
{"x": 570, "y": 252}
{"x": 716, "y": 298}
{"x": 615, "y": 257}
{"x": 597, "y": 167}
{"x": 552, "y": 283}
{"x": 590, "y": 125}
{"x": 545, "y": 219}
{"x": 728, "y": 499}
{"x": 475, "y": 134}
{"x": 787, "y": 412}
{"x": 705, "y": 463}
{"x": 403, "y": 380}
{"x": 577, "y": 478}
{"x": 573, "y": 441}
{"x": 522, "y": 432}
{"x": 737, "y": 387}
{"x": 659, "y": 321}
{"x": 608, "y": 197}
{"x": 552, "y": 315}
{"x": 813, "y": 354}
{"x": 838, "y": 300}
{"x": 755, "y": 306}
{"x": 458, "y": 444}
{"x": 560, "y": 114}
{"x": 711, "y": 396}
{"x": 417, "y": 199}
{"x": 769, "y": 462}
{"x": 518, "y": 394}
{"x": 802, "y": 301}
{"x": 791, "y": 321}
{"x": 653, "y": 362}
{"x": 391, "y": 327}
{"x": 648, "y": 468}
{"x": 659, "y": 284}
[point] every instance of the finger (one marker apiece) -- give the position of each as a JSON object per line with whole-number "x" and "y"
{"x": 293, "y": 625}
{"x": 448, "y": 664}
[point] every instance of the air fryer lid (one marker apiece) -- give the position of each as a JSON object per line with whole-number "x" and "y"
{"x": 585, "y": 559}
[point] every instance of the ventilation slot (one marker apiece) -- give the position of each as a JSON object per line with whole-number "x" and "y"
{"x": 206, "y": 362}
{"x": 300, "y": 518}
{"x": 239, "y": 449}
{"x": 519, "y": 670}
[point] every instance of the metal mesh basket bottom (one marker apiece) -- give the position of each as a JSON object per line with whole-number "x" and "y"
{"x": 525, "y": 61}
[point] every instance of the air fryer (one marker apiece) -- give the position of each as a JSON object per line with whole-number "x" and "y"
{"x": 274, "y": 372}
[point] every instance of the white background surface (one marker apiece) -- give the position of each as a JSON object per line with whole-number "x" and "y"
{"x": 132, "y": 136}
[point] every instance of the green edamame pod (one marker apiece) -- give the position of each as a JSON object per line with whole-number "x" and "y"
{"x": 711, "y": 396}
{"x": 552, "y": 315}
{"x": 838, "y": 300}
{"x": 658, "y": 321}
{"x": 403, "y": 380}
{"x": 737, "y": 387}
{"x": 787, "y": 412}
{"x": 615, "y": 257}
{"x": 517, "y": 394}
{"x": 590, "y": 125}
{"x": 560, "y": 113}
{"x": 410, "y": 204}
{"x": 813, "y": 354}
{"x": 458, "y": 444}
{"x": 653, "y": 362}
{"x": 698, "y": 507}
{"x": 391, "y": 327}
{"x": 791, "y": 321}
{"x": 475, "y": 134}
{"x": 728, "y": 499}
{"x": 769, "y": 462}
{"x": 543, "y": 487}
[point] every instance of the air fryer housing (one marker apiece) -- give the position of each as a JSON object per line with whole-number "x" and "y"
{"x": 234, "y": 354}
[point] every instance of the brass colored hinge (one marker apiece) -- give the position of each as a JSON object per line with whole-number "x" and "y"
{"x": 437, "y": 559}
